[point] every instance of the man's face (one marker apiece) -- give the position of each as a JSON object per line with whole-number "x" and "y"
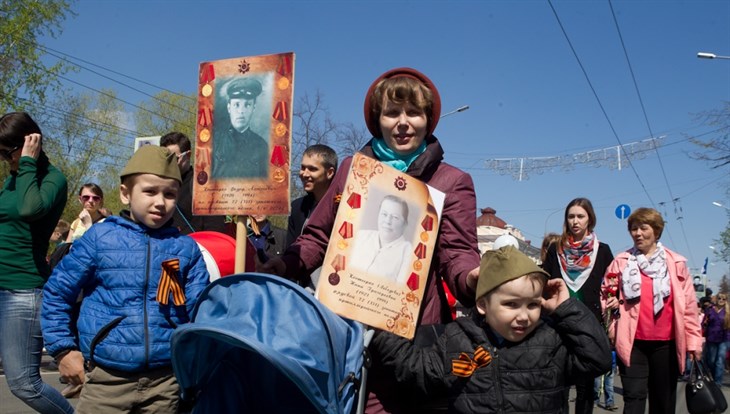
{"x": 313, "y": 174}
{"x": 240, "y": 111}
{"x": 391, "y": 222}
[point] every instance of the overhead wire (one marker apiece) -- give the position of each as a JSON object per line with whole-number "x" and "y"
{"x": 675, "y": 200}
{"x": 598, "y": 100}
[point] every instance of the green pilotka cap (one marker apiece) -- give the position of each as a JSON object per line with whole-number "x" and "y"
{"x": 151, "y": 159}
{"x": 502, "y": 265}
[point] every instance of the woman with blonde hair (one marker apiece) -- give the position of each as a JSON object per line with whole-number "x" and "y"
{"x": 717, "y": 333}
{"x": 657, "y": 319}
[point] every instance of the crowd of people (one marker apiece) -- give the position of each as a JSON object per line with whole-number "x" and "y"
{"x": 533, "y": 332}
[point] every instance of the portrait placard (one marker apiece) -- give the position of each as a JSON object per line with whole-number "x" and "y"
{"x": 380, "y": 249}
{"x": 139, "y": 142}
{"x": 243, "y": 136}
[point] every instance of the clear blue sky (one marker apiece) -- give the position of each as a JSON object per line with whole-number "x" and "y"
{"x": 508, "y": 60}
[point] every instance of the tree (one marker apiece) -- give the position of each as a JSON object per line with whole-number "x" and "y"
{"x": 314, "y": 125}
{"x": 22, "y": 71}
{"x": 717, "y": 147}
{"x": 716, "y": 151}
{"x": 86, "y": 142}
{"x": 724, "y": 285}
{"x": 166, "y": 112}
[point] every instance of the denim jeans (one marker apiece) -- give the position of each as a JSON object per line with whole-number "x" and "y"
{"x": 21, "y": 345}
{"x": 604, "y": 383}
{"x": 718, "y": 367}
{"x": 710, "y": 357}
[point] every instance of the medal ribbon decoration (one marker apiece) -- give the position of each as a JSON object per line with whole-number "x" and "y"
{"x": 170, "y": 283}
{"x": 465, "y": 366}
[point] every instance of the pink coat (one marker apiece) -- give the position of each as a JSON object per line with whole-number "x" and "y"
{"x": 687, "y": 333}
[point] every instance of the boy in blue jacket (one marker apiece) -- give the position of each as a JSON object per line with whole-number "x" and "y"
{"x": 504, "y": 358}
{"x": 140, "y": 279}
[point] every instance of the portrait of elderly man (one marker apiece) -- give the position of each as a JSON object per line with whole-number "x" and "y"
{"x": 385, "y": 252}
{"x": 238, "y": 151}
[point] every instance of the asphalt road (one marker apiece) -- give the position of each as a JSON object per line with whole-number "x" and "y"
{"x": 11, "y": 405}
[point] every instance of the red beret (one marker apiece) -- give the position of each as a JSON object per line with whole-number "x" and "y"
{"x": 374, "y": 124}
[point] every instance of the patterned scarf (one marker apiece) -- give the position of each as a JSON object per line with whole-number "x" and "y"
{"x": 387, "y": 156}
{"x": 577, "y": 260}
{"x": 655, "y": 267}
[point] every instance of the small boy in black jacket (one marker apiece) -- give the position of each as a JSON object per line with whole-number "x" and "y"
{"x": 505, "y": 358}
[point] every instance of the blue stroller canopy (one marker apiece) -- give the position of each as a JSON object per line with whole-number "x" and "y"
{"x": 259, "y": 343}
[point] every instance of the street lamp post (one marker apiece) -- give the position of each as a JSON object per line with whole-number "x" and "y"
{"x": 719, "y": 204}
{"x": 706, "y": 55}
{"x": 459, "y": 109}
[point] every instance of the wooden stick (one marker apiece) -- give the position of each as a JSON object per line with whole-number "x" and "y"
{"x": 240, "y": 264}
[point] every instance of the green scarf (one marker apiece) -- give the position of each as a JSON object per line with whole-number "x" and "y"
{"x": 400, "y": 162}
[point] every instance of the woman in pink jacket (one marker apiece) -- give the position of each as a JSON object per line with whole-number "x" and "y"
{"x": 656, "y": 321}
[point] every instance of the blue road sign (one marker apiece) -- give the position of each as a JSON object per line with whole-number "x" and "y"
{"x": 623, "y": 211}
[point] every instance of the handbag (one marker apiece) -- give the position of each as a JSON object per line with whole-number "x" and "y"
{"x": 702, "y": 394}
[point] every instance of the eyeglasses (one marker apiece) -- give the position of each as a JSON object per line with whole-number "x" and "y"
{"x": 90, "y": 197}
{"x": 8, "y": 154}
{"x": 182, "y": 155}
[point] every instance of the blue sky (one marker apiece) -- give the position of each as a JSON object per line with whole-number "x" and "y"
{"x": 508, "y": 60}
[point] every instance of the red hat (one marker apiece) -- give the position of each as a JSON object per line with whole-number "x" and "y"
{"x": 374, "y": 124}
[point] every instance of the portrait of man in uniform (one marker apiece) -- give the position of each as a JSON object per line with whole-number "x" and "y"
{"x": 238, "y": 150}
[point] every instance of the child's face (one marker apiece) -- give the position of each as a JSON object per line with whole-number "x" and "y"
{"x": 513, "y": 308}
{"x": 151, "y": 199}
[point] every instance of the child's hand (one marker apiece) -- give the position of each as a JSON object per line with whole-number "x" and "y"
{"x": 612, "y": 302}
{"x": 554, "y": 293}
{"x": 71, "y": 368}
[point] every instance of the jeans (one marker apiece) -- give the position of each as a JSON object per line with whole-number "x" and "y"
{"x": 717, "y": 365}
{"x": 604, "y": 383}
{"x": 21, "y": 345}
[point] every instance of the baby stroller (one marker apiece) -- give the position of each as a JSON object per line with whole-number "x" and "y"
{"x": 259, "y": 343}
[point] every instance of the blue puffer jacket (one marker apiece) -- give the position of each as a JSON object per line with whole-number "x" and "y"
{"x": 118, "y": 265}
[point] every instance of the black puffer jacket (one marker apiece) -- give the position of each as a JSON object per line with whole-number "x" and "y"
{"x": 525, "y": 377}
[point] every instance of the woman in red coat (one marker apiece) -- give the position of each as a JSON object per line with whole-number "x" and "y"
{"x": 402, "y": 109}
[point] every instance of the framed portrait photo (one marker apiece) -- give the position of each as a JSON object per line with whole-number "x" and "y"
{"x": 243, "y": 136}
{"x": 380, "y": 249}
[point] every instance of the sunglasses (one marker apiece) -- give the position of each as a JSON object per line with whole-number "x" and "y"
{"x": 8, "y": 154}
{"x": 90, "y": 197}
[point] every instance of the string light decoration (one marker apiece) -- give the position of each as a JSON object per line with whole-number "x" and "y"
{"x": 615, "y": 158}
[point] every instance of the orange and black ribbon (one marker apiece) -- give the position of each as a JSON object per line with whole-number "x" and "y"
{"x": 285, "y": 65}
{"x": 465, "y": 366}
{"x": 170, "y": 283}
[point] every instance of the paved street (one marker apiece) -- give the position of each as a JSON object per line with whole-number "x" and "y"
{"x": 11, "y": 405}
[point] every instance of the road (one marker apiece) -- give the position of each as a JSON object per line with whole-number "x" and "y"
{"x": 11, "y": 405}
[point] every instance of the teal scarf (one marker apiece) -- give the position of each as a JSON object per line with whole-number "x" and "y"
{"x": 392, "y": 158}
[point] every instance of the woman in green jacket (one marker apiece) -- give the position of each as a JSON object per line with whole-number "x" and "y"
{"x": 31, "y": 202}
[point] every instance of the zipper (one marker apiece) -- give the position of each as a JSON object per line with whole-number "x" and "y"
{"x": 144, "y": 307}
{"x": 498, "y": 381}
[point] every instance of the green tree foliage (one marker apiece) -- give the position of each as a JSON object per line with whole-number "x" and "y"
{"x": 22, "y": 71}
{"x": 86, "y": 142}
{"x": 166, "y": 112}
